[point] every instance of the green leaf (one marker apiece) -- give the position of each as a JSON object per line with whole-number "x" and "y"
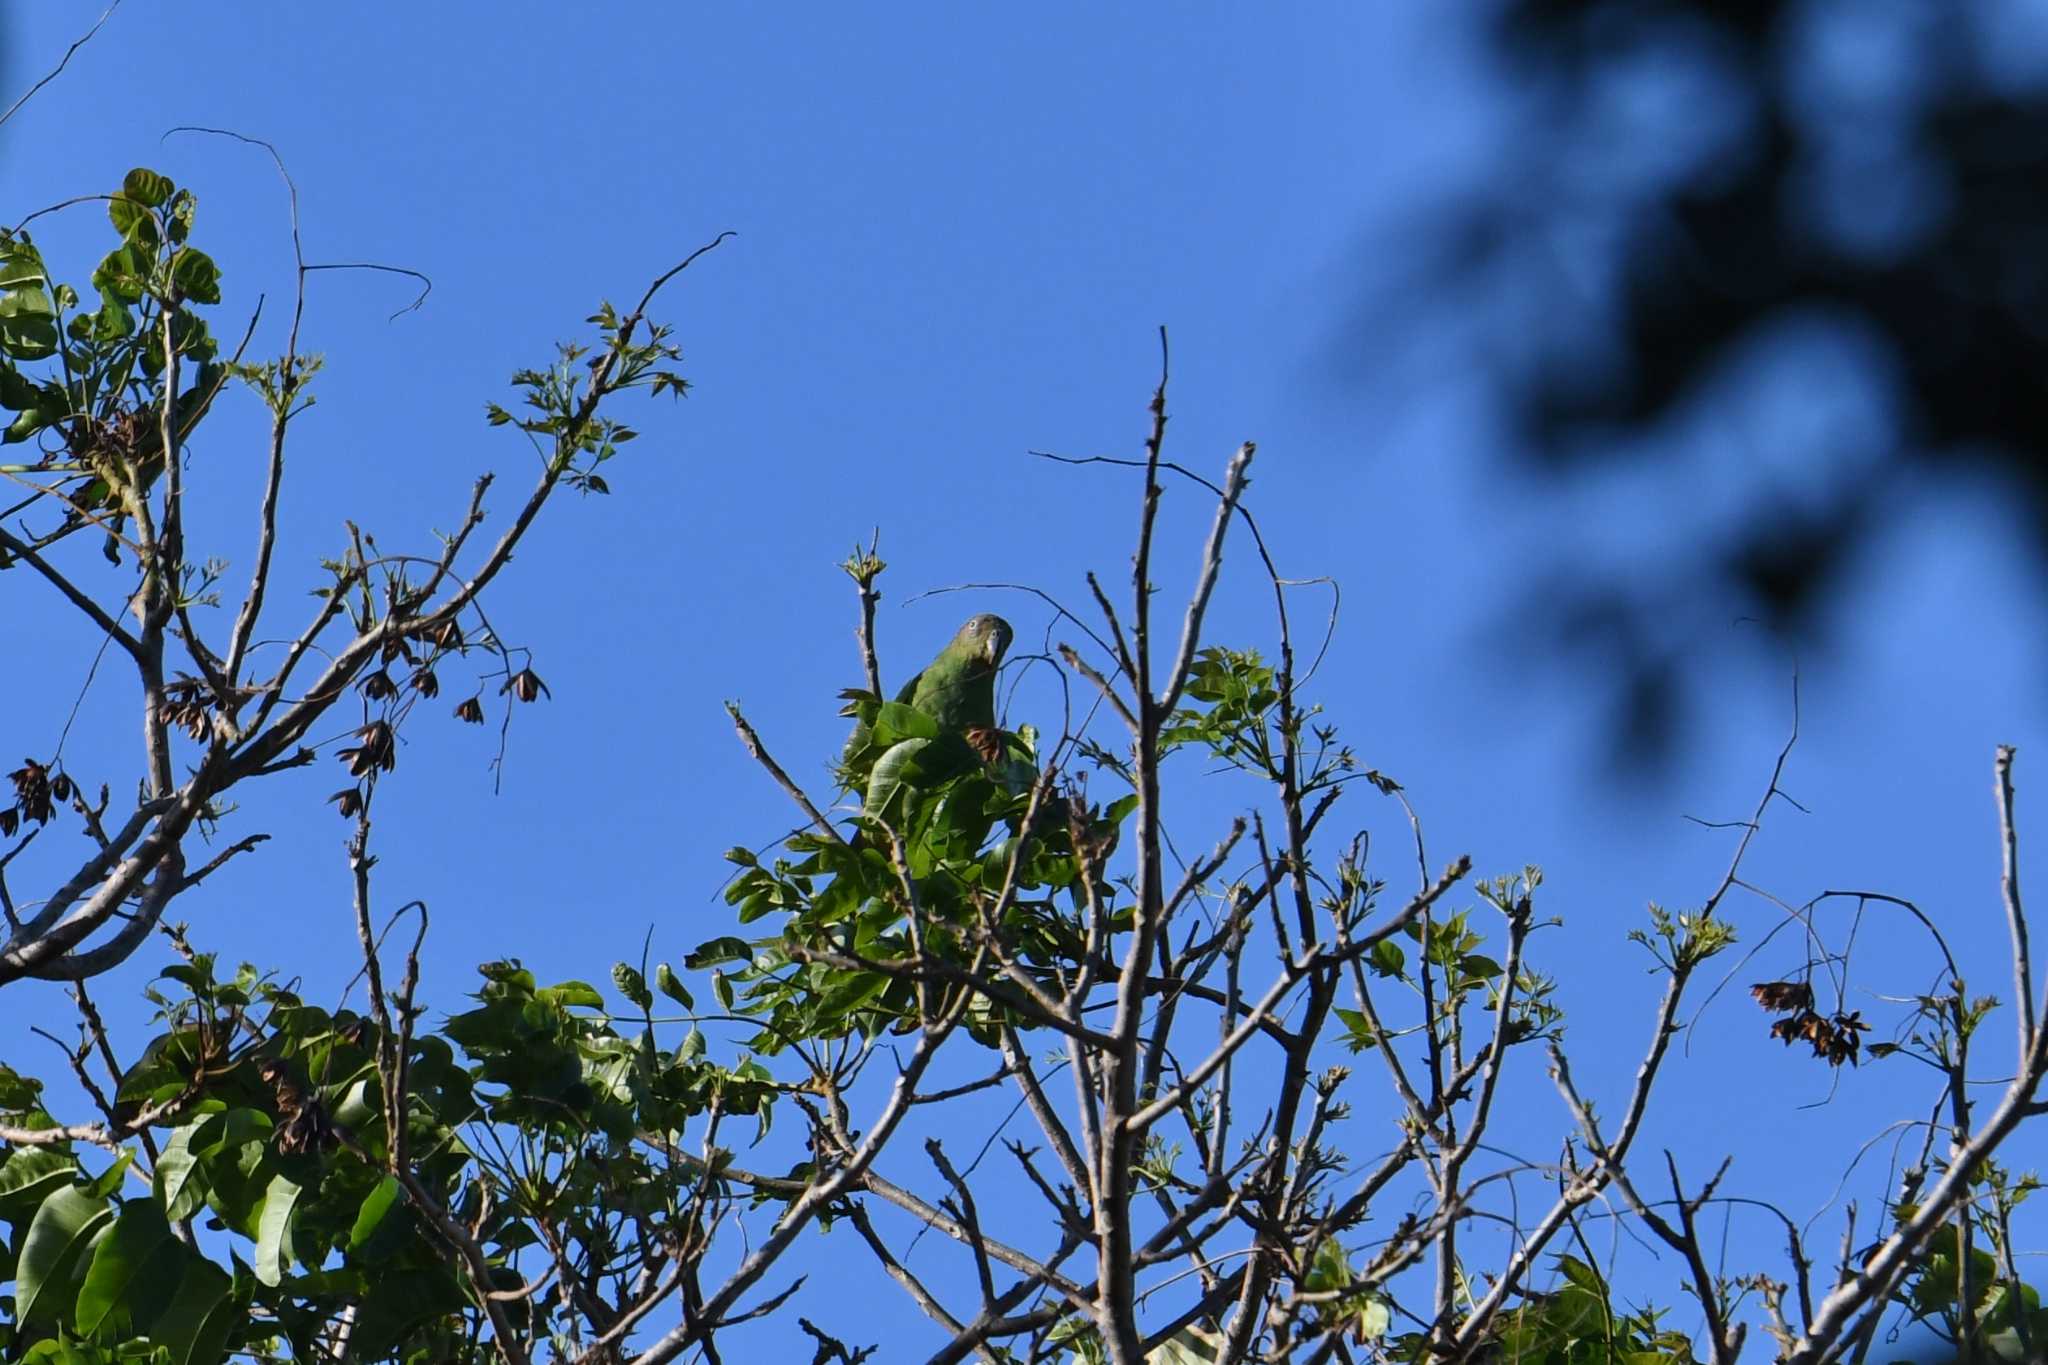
{"x": 108, "y": 1183}
{"x": 194, "y": 275}
{"x": 29, "y": 300}
{"x": 29, "y": 1176}
{"x": 57, "y": 1240}
{"x": 717, "y": 950}
{"x": 133, "y": 220}
{"x": 21, "y": 267}
{"x": 28, "y": 325}
{"x": 371, "y": 1215}
{"x": 1576, "y": 1271}
{"x": 111, "y": 322}
{"x": 133, "y": 1269}
{"x": 360, "y": 1106}
{"x": 179, "y": 1179}
{"x": 721, "y": 986}
{"x": 274, "y": 1230}
{"x": 145, "y": 186}
{"x": 672, "y": 987}
{"x": 16, "y": 394}
{"x": 1358, "y": 1028}
{"x": 195, "y": 1327}
{"x": 1387, "y": 959}
{"x": 1479, "y": 968}
{"x": 905, "y": 722}
{"x": 57, "y": 1351}
{"x": 123, "y": 274}
{"x": 26, "y": 425}
{"x": 398, "y": 1303}
{"x": 894, "y": 768}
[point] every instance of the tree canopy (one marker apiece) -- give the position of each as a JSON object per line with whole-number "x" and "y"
{"x": 1039, "y": 911}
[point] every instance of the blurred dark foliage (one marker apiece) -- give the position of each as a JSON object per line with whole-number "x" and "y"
{"x": 1781, "y": 264}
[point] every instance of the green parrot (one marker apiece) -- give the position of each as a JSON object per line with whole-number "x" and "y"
{"x": 957, "y": 689}
{"x": 915, "y": 760}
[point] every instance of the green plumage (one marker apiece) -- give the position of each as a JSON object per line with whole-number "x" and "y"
{"x": 957, "y": 689}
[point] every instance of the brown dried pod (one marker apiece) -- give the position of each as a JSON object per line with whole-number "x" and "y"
{"x": 526, "y": 685}
{"x": 470, "y": 711}
{"x": 350, "y": 800}
{"x": 1779, "y": 996}
{"x": 986, "y": 741}
{"x": 425, "y": 683}
{"x": 376, "y": 751}
{"x": 32, "y": 790}
{"x": 1845, "y": 1044}
{"x": 378, "y": 686}
{"x": 1790, "y": 1029}
{"x": 306, "y": 1127}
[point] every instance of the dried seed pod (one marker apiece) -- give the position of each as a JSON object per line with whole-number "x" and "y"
{"x": 526, "y": 685}
{"x": 1780, "y": 996}
{"x": 986, "y": 741}
{"x": 32, "y": 791}
{"x": 377, "y": 750}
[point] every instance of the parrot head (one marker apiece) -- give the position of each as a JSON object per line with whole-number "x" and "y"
{"x": 986, "y": 636}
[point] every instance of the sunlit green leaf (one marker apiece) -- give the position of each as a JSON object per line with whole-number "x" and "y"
{"x": 145, "y": 186}
{"x": 373, "y": 1211}
{"x": 195, "y": 276}
{"x": 133, "y": 220}
{"x": 717, "y": 950}
{"x": 29, "y": 1175}
{"x": 58, "y": 1239}
{"x": 671, "y": 986}
{"x": 274, "y": 1227}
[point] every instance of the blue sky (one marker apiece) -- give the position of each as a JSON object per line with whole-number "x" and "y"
{"x": 958, "y": 229}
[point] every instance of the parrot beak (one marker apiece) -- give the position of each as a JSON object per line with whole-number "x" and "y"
{"x": 998, "y": 641}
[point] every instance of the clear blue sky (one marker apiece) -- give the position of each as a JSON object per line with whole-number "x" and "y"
{"x": 958, "y": 228}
